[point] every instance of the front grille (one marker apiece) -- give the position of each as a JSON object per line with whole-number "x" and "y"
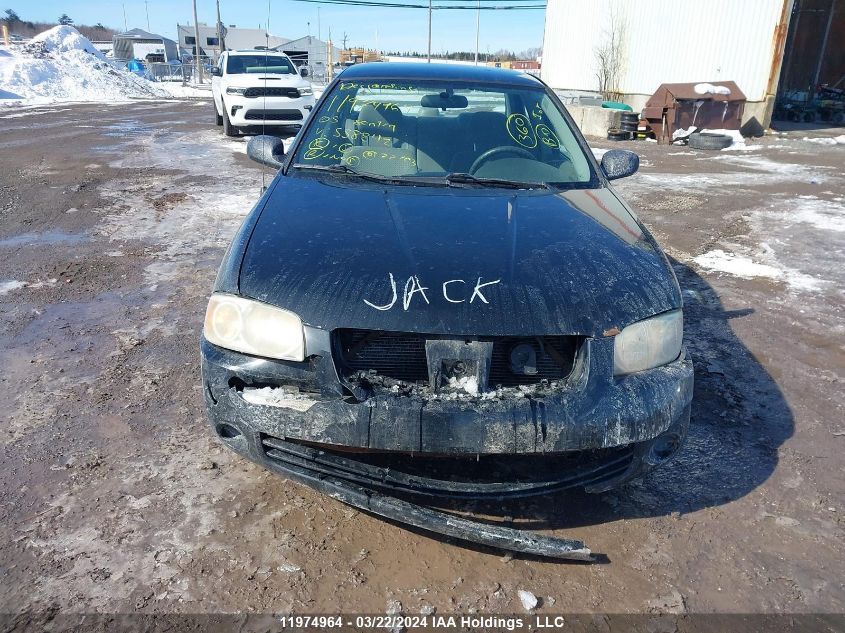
{"x": 291, "y": 93}
{"x": 273, "y": 115}
{"x": 397, "y": 355}
{"x": 401, "y": 356}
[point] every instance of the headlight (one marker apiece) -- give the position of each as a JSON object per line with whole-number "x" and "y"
{"x": 648, "y": 344}
{"x": 235, "y": 91}
{"x": 251, "y": 327}
{"x": 306, "y": 91}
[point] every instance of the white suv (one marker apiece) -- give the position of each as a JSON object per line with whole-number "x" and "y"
{"x": 256, "y": 87}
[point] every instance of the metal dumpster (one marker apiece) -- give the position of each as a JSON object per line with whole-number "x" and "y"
{"x": 711, "y": 105}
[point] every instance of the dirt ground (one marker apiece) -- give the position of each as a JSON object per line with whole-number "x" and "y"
{"x": 118, "y": 498}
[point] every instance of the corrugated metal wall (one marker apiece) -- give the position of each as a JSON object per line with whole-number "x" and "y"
{"x": 666, "y": 41}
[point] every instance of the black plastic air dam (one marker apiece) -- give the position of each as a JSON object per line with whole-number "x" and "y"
{"x": 503, "y": 538}
{"x": 392, "y": 479}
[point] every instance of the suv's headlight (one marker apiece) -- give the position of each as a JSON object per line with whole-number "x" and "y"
{"x": 306, "y": 92}
{"x": 648, "y": 344}
{"x": 235, "y": 91}
{"x": 254, "y": 328}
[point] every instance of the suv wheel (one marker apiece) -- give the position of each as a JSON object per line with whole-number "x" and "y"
{"x": 228, "y": 128}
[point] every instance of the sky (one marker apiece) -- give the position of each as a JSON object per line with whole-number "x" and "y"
{"x": 372, "y": 27}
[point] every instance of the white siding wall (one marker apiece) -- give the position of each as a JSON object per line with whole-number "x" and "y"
{"x": 667, "y": 41}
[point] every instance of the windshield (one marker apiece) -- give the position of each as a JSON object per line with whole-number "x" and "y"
{"x": 436, "y": 129}
{"x": 264, "y": 64}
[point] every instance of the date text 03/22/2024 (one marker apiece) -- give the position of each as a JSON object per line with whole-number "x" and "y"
{"x": 425, "y": 622}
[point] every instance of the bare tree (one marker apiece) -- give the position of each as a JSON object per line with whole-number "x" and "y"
{"x": 610, "y": 55}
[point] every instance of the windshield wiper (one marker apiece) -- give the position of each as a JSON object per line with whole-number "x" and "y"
{"x": 345, "y": 169}
{"x": 463, "y": 178}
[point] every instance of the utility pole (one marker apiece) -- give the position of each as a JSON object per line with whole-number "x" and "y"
{"x": 197, "y": 49}
{"x": 344, "y": 38}
{"x": 220, "y": 38}
{"x": 477, "y": 29}
{"x": 125, "y": 26}
{"x": 429, "y": 31}
{"x": 147, "y": 9}
{"x": 329, "y": 58}
{"x": 318, "y": 22}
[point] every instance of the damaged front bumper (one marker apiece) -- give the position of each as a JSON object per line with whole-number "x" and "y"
{"x": 592, "y": 431}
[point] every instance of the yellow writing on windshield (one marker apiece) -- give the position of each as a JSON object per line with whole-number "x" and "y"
{"x": 546, "y": 136}
{"x": 377, "y": 154}
{"x": 519, "y": 129}
{"x": 375, "y": 124}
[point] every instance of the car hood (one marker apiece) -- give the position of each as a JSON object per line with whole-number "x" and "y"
{"x": 454, "y": 261}
{"x": 272, "y": 81}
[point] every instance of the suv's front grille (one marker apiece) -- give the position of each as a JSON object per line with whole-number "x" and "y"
{"x": 273, "y": 115}
{"x": 402, "y": 356}
{"x": 261, "y": 91}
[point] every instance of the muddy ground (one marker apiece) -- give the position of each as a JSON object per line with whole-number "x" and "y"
{"x": 118, "y": 497}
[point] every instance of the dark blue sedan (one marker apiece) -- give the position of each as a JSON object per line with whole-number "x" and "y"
{"x": 441, "y": 297}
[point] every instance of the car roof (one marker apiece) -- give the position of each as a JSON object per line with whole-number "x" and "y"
{"x": 436, "y": 71}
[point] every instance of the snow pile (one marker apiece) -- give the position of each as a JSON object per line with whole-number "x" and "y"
{"x": 62, "y": 39}
{"x": 62, "y": 65}
{"x": 710, "y": 89}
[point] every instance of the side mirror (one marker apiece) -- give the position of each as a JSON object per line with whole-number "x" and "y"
{"x": 216, "y": 72}
{"x": 266, "y": 149}
{"x": 303, "y": 72}
{"x": 618, "y": 163}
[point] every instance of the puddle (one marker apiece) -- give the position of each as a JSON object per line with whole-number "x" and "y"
{"x": 130, "y": 128}
{"x": 48, "y": 237}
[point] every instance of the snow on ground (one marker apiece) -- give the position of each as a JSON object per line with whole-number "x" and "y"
{"x": 737, "y": 265}
{"x": 745, "y": 266}
{"x": 175, "y": 89}
{"x": 803, "y": 208}
{"x": 782, "y": 231}
{"x": 62, "y": 65}
{"x": 8, "y": 286}
{"x": 205, "y": 215}
{"x": 826, "y": 140}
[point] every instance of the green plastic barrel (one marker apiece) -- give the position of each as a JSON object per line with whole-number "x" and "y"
{"x": 616, "y": 105}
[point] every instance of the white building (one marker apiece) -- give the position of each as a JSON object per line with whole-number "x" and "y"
{"x": 234, "y": 38}
{"x": 139, "y": 44}
{"x": 681, "y": 41}
{"x": 311, "y": 53}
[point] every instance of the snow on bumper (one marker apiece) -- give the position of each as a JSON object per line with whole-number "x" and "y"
{"x": 593, "y": 410}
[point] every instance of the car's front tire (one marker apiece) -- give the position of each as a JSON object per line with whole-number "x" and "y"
{"x": 228, "y": 128}
{"x": 218, "y": 118}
